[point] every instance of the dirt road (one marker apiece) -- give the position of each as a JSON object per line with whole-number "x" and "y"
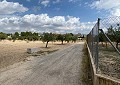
{"x": 59, "y": 68}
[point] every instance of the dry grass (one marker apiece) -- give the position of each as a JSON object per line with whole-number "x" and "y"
{"x": 12, "y": 52}
{"x": 109, "y": 62}
{"x": 86, "y": 75}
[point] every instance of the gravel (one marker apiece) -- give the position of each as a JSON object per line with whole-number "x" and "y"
{"x": 62, "y": 67}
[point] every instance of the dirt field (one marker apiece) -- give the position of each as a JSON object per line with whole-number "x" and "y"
{"x": 12, "y": 52}
{"x": 109, "y": 62}
{"x": 62, "y": 67}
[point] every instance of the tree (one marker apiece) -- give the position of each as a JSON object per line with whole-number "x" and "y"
{"x": 9, "y": 36}
{"x": 28, "y": 33}
{"x": 102, "y": 38}
{"x": 61, "y": 37}
{"x": 3, "y": 36}
{"x": 110, "y": 33}
{"x": 74, "y": 38}
{"x": 29, "y": 36}
{"x": 117, "y": 36}
{"x": 54, "y": 37}
{"x": 114, "y": 34}
{"x": 23, "y": 34}
{"x": 35, "y": 36}
{"x": 16, "y": 34}
{"x": 47, "y": 37}
{"x": 68, "y": 37}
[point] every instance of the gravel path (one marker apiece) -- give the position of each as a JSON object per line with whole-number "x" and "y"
{"x": 59, "y": 68}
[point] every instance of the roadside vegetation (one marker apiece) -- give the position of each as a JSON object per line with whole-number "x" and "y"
{"x": 86, "y": 73}
{"x": 113, "y": 34}
{"x": 109, "y": 59}
{"x": 45, "y": 37}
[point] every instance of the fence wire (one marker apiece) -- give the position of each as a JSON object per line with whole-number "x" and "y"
{"x": 104, "y": 45}
{"x": 92, "y": 40}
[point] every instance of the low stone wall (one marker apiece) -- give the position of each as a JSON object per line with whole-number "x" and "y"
{"x": 99, "y": 79}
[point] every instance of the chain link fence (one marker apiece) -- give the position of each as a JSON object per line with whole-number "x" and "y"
{"x": 104, "y": 44}
{"x": 93, "y": 40}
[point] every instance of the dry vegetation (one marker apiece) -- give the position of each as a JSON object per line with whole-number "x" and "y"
{"x": 12, "y": 52}
{"x": 109, "y": 62}
{"x": 86, "y": 75}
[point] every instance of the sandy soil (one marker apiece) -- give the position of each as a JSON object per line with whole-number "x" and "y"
{"x": 12, "y": 52}
{"x": 59, "y": 68}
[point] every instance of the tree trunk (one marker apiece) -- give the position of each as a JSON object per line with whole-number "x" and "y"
{"x": 62, "y": 41}
{"x": 47, "y": 44}
{"x": 117, "y": 45}
{"x": 102, "y": 44}
{"x": 67, "y": 41}
{"x": 106, "y": 44}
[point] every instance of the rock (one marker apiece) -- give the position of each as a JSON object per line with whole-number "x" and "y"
{"x": 32, "y": 50}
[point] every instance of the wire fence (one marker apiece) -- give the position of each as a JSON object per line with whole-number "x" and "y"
{"x": 104, "y": 44}
{"x": 93, "y": 40}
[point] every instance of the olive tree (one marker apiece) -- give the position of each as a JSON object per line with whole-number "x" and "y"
{"x": 47, "y": 37}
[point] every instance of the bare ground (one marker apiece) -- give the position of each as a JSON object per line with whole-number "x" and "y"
{"x": 12, "y": 52}
{"x": 109, "y": 64}
{"x": 59, "y": 68}
{"x": 109, "y": 61}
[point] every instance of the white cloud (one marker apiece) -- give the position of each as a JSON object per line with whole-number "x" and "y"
{"x": 11, "y": 7}
{"x": 44, "y": 23}
{"x": 105, "y": 4}
{"x": 112, "y": 6}
{"x": 116, "y": 12}
{"x": 45, "y": 2}
{"x": 73, "y": 21}
{"x": 56, "y": 1}
{"x": 88, "y": 25}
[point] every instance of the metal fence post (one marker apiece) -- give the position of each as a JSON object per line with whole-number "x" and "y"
{"x": 97, "y": 46}
{"x": 92, "y": 41}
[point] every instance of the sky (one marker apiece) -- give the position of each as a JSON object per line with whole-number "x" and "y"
{"x": 58, "y": 16}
